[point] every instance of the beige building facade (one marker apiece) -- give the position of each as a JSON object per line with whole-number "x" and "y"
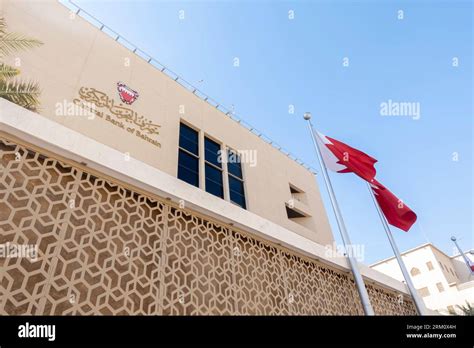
{"x": 79, "y": 65}
{"x": 118, "y": 185}
{"x": 443, "y": 282}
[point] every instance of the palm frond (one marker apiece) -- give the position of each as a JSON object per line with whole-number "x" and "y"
{"x": 12, "y": 42}
{"x": 3, "y": 26}
{"x": 468, "y": 309}
{"x": 7, "y": 71}
{"x": 25, "y": 94}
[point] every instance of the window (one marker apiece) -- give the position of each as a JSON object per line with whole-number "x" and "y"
{"x": 440, "y": 287}
{"x": 213, "y": 168}
{"x": 236, "y": 181}
{"x": 292, "y": 213}
{"x": 190, "y": 165}
{"x": 188, "y": 157}
{"x": 415, "y": 271}
{"x": 424, "y": 292}
{"x": 298, "y": 194}
{"x": 429, "y": 265}
{"x": 294, "y": 189}
{"x": 443, "y": 266}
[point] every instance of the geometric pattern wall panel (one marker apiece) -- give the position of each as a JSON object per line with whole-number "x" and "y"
{"x": 197, "y": 270}
{"x": 390, "y": 303}
{"x": 110, "y": 256}
{"x": 316, "y": 289}
{"x": 34, "y": 192}
{"x": 102, "y": 248}
{"x": 259, "y": 280}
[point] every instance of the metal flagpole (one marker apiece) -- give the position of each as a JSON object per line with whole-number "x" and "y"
{"x": 420, "y": 307}
{"x": 466, "y": 260}
{"x": 364, "y": 296}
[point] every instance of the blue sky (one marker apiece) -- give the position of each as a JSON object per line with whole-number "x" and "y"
{"x": 300, "y": 62}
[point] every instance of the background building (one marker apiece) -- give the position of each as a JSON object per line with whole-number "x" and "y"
{"x": 116, "y": 178}
{"x": 443, "y": 281}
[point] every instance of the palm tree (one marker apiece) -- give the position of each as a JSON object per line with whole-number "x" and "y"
{"x": 468, "y": 309}
{"x": 23, "y": 93}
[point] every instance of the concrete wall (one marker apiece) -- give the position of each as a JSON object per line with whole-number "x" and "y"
{"x": 54, "y": 138}
{"x": 446, "y": 266}
{"x": 460, "y": 266}
{"x": 76, "y": 54}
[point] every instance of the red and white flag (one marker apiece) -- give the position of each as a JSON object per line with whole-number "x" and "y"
{"x": 471, "y": 264}
{"x": 342, "y": 158}
{"x": 398, "y": 214}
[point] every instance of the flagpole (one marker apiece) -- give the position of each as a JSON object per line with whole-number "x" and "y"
{"x": 466, "y": 260}
{"x": 364, "y": 296}
{"x": 420, "y": 307}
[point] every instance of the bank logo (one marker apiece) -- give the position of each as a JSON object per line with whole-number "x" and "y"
{"x": 127, "y": 94}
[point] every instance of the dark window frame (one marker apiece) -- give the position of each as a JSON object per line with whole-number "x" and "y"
{"x": 189, "y": 153}
{"x": 235, "y": 177}
{"x": 211, "y": 164}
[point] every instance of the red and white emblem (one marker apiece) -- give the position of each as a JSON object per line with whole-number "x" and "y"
{"x": 127, "y": 94}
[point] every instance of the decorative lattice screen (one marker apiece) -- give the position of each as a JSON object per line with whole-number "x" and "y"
{"x": 104, "y": 248}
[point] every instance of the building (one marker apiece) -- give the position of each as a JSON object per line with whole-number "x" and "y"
{"x": 142, "y": 197}
{"x": 444, "y": 282}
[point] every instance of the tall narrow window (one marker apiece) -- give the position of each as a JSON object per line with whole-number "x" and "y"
{"x": 188, "y": 157}
{"x": 430, "y": 266}
{"x": 236, "y": 181}
{"x": 213, "y": 166}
